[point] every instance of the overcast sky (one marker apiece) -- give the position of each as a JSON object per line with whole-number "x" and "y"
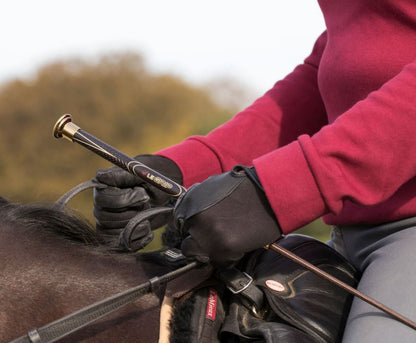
{"x": 253, "y": 41}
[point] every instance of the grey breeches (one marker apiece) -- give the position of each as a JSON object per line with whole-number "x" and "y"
{"x": 386, "y": 257}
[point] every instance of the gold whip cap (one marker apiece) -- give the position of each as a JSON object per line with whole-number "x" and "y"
{"x": 64, "y": 127}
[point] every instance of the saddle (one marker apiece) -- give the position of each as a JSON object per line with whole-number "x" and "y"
{"x": 295, "y": 305}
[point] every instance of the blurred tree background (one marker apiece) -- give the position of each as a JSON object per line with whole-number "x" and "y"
{"x": 115, "y": 98}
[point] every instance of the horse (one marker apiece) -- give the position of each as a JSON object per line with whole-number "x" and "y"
{"x": 54, "y": 263}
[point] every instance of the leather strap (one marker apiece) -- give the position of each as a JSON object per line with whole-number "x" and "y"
{"x": 77, "y": 320}
{"x": 126, "y": 234}
{"x": 242, "y": 285}
{"x": 64, "y": 199}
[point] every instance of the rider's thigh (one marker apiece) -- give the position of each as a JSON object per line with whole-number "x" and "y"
{"x": 388, "y": 264}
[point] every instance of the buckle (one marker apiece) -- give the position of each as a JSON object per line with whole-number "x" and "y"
{"x": 34, "y": 336}
{"x": 173, "y": 255}
{"x": 241, "y": 284}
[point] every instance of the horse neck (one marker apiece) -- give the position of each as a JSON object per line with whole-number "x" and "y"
{"x": 38, "y": 255}
{"x": 45, "y": 278}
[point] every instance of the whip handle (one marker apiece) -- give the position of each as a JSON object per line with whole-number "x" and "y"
{"x": 64, "y": 127}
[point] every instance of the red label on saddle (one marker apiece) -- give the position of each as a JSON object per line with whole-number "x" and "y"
{"x": 212, "y": 304}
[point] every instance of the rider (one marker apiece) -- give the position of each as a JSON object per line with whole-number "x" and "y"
{"x": 334, "y": 139}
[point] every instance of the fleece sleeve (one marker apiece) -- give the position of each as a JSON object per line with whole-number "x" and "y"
{"x": 291, "y": 108}
{"x": 363, "y": 157}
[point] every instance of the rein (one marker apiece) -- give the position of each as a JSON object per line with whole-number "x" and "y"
{"x": 77, "y": 320}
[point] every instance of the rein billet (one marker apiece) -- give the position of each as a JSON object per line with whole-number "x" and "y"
{"x": 64, "y": 127}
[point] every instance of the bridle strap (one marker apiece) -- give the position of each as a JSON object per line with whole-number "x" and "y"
{"x": 77, "y": 320}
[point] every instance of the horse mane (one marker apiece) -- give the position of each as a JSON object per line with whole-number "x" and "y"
{"x": 44, "y": 218}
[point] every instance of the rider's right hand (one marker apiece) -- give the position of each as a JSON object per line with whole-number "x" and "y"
{"x": 128, "y": 194}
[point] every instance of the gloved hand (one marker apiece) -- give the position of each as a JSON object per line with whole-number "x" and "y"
{"x": 225, "y": 217}
{"x": 128, "y": 194}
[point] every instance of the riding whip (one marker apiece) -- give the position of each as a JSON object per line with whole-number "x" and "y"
{"x": 65, "y": 128}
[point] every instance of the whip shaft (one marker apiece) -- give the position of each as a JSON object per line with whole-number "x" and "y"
{"x": 64, "y": 127}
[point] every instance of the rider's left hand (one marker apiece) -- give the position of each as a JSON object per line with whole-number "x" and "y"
{"x": 225, "y": 217}
{"x": 128, "y": 194}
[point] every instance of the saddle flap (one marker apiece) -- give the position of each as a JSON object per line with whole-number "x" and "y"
{"x": 301, "y": 298}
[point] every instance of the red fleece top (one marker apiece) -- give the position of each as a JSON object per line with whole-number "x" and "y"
{"x": 336, "y": 137}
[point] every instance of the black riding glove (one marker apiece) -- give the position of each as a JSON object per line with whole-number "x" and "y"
{"x": 225, "y": 217}
{"x": 116, "y": 205}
